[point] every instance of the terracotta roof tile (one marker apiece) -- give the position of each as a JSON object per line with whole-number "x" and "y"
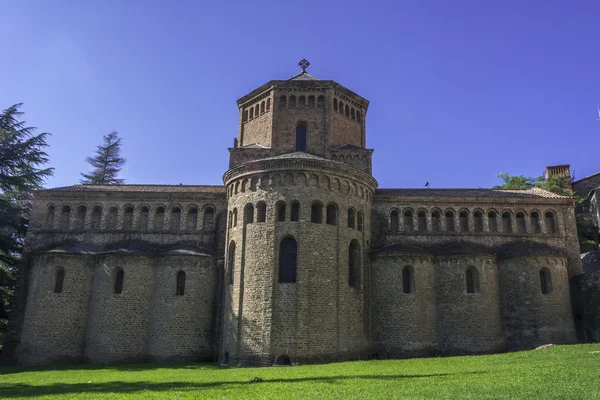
{"x": 141, "y": 188}
{"x": 515, "y": 193}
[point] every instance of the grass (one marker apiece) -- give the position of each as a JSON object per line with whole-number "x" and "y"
{"x": 560, "y": 372}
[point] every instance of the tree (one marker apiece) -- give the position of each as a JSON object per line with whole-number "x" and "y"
{"x": 514, "y": 182}
{"x": 107, "y": 162}
{"x": 21, "y": 160}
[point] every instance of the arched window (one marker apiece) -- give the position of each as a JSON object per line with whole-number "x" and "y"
{"x": 492, "y": 222}
{"x": 521, "y": 222}
{"x": 256, "y": 110}
{"x": 180, "y": 284}
{"x": 231, "y": 263}
{"x": 191, "y": 220}
{"x": 282, "y": 101}
{"x": 535, "y": 222}
{"x": 280, "y": 211}
{"x": 351, "y": 218}
{"x": 249, "y": 214}
{"x": 332, "y": 214}
{"x": 472, "y": 280}
{"x": 408, "y": 280}
{"x": 450, "y": 221}
{"x": 261, "y": 211}
{"x": 295, "y": 214}
{"x": 316, "y": 213}
{"x": 422, "y": 217}
{"x": 320, "y": 101}
{"x": 335, "y": 105}
{"x": 394, "y": 220}
{"x": 245, "y": 116}
{"x": 159, "y": 218}
{"x": 550, "y": 222}
{"x": 435, "y": 221}
{"x": 288, "y": 258}
{"x": 359, "y": 221}
{"x": 341, "y": 108}
{"x": 408, "y": 221}
{"x": 59, "y": 278}
{"x": 292, "y": 103}
{"x": 234, "y": 217}
{"x": 463, "y": 217}
{"x": 128, "y": 218}
{"x": 546, "y": 281}
{"x": 478, "y": 219}
{"x": 112, "y": 219}
{"x": 80, "y": 217}
{"x": 301, "y": 137}
{"x": 311, "y": 101}
{"x": 506, "y": 222}
{"x": 262, "y": 107}
{"x": 175, "y": 221}
{"x": 144, "y": 216}
{"x": 268, "y": 104}
{"x": 358, "y": 116}
{"x": 347, "y": 109}
{"x": 65, "y": 217}
{"x": 50, "y": 217}
{"x": 251, "y": 112}
{"x": 119, "y": 276}
{"x": 353, "y": 263}
{"x": 352, "y": 113}
{"x": 209, "y": 218}
{"x": 301, "y": 101}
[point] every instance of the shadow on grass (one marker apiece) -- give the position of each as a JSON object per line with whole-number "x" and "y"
{"x": 7, "y": 370}
{"x": 23, "y": 390}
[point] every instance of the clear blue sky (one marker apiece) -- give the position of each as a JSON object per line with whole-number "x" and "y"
{"x": 459, "y": 90}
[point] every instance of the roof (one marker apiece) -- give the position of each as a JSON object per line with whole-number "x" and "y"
{"x": 506, "y": 250}
{"x": 587, "y": 177}
{"x": 254, "y": 146}
{"x": 298, "y": 155}
{"x": 534, "y": 193}
{"x": 303, "y": 76}
{"x": 140, "y": 188}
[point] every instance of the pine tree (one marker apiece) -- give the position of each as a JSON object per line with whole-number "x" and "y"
{"x": 21, "y": 158}
{"x": 107, "y": 162}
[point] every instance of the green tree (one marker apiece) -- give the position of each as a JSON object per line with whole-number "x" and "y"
{"x": 22, "y": 157}
{"x": 107, "y": 162}
{"x": 514, "y": 182}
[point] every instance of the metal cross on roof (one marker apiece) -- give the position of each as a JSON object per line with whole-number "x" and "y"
{"x": 304, "y": 64}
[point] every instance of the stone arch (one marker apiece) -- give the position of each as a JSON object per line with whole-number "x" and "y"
{"x": 550, "y": 222}
{"x": 471, "y": 280}
{"x": 492, "y": 218}
{"x": 301, "y": 179}
{"x": 507, "y": 221}
{"x": 326, "y": 182}
{"x": 422, "y": 220}
{"x": 463, "y": 219}
{"x": 314, "y": 180}
{"x": 50, "y": 216}
{"x": 450, "y": 219}
{"x": 336, "y": 184}
{"x": 436, "y": 219}
{"x": 394, "y": 219}
{"x": 408, "y": 217}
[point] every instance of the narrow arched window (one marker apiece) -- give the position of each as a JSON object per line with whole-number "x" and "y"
{"x": 295, "y": 214}
{"x": 50, "y": 217}
{"x": 144, "y": 217}
{"x": 422, "y": 217}
{"x": 521, "y": 228}
{"x": 450, "y": 221}
{"x": 80, "y": 217}
{"x": 335, "y": 105}
{"x": 341, "y": 108}
{"x": 159, "y": 218}
{"x": 268, "y": 104}
{"x": 351, "y": 218}
{"x": 408, "y": 221}
{"x": 302, "y": 101}
{"x": 292, "y": 102}
{"x": 545, "y": 281}
{"x": 394, "y": 220}
{"x": 282, "y": 101}
{"x": 245, "y": 116}
{"x": 231, "y": 263}
{"x": 256, "y": 110}
{"x": 175, "y": 220}
{"x": 301, "y": 137}
{"x": 435, "y": 221}
{"x": 209, "y": 218}
{"x": 119, "y": 276}
{"x": 550, "y": 222}
{"x": 472, "y": 280}
{"x": 535, "y": 222}
{"x": 280, "y": 211}
{"x": 316, "y": 213}
{"x": 347, "y": 109}
{"x": 506, "y": 222}
{"x": 352, "y": 113}
{"x": 59, "y": 278}
{"x": 311, "y": 101}
{"x": 65, "y": 217}
{"x": 408, "y": 280}
{"x": 128, "y": 218}
{"x": 358, "y": 116}
{"x": 112, "y": 221}
{"x": 191, "y": 220}
{"x": 234, "y": 217}
{"x": 180, "y": 284}
{"x": 249, "y": 214}
{"x": 320, "y": 101}
{"x": 463, "y": 217}
{"x": 251, "y": 112}
{"x": 288, "y": 258}
{"x": 353, "y": 263}
{"x": 332, "y": 214}
{"x": 359, "y": 221}
{"x": 261, "y": 211}
{"x": 262, "y": 107}
{"x": 478, "y": 220}
{"x": 492, "y": 222}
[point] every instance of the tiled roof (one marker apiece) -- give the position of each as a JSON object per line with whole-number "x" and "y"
{"x": 140, "y": 188}
{"x": 254, "y": 146}
{"x": 516, "y": 193}
{"x": 298, "y": 155}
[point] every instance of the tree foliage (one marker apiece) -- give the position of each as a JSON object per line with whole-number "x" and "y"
{"x": 22, "y": 158}
{"x": 107, "y": 162}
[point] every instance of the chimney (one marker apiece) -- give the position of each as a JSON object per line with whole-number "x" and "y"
{"x": 564, "y": 169}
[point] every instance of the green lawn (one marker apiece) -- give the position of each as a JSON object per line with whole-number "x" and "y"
{"x": 561, "y": 372}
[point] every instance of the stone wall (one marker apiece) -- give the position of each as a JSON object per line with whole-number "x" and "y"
{"x": 585, "y": 291}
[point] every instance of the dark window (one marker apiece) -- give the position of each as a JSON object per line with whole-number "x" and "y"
{"x": 332, "y": 217}
{"x": 394, "y": 220}
{"x": 159, "y": 218}
{"x": 347, "y": 109}
{"x": 261, "y": 212}
{"x": 128, "y": 218}
{"x": 450, "y": 221}
{"x": 251, "y": 112}
{"x": 192, "y": 219}
{"x": 256, "y": 109}
{"x": 292, "y": 103}
{"x": 550, "y": 223}
{"x": 180, "y": 283}
{"x": 506, "y": 223}
{"x": 282, "y": 101}
{"x": 119, "y": 281}
{"x": 268, "y": 104}
{"x": 435, "y": 221}
{"x": 249, "y": 214}
{"x": 320, "y": 102}
{"x": 288, "y": 250}
{"x": 245, "y": 116}
{"x": 80, "y": 217}
{"x": 545, "y": 281}
{"x": 295, "y": 211}
{"x": 341, "y": 108}
{"x": 50, "y": 218}
{"x": 59, "y": 280}
{"x": 463, "y": 221}
{"x": 234, "y": 217}
{"x": 262, "y": 107}
{"x": 478, "y": 219}
{"x": 359, "y": 221}
{"x": 311, "y": 101}
{"x": 335, "y": 105}
{"x": 358, "y": 116}
{"x": 301, "y": 101}
{"x": 301, "y": 137}
{"x": 209, "y": 218}
{"x": 316, "y": 213}
{"x": 472, "y": 280}
{"x": 283, "y": 360}
{"x": 422, "y": 221}
{"x": 144, "y": 216}
{"x": 521, "y": 223}
{"x": 408, "y": 285}
{"x": 492, "y": 222}
{"x": 65, "y": 217}
{"x": 231, "y": 263}
{"x": 280, "y": 210}
{"x": 535, "y": 222}
{"x": 408, "y": 221}
{"x": 351, "y": 218}
{"x": 353, "y": 263}
{"x": 175, "y": 219}
{"x": 352, "y": 113}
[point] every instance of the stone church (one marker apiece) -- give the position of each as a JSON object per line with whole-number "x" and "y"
{"x": 297, "y": 258}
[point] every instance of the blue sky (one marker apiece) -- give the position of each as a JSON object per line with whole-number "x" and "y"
{"x": 459, "y": 90}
